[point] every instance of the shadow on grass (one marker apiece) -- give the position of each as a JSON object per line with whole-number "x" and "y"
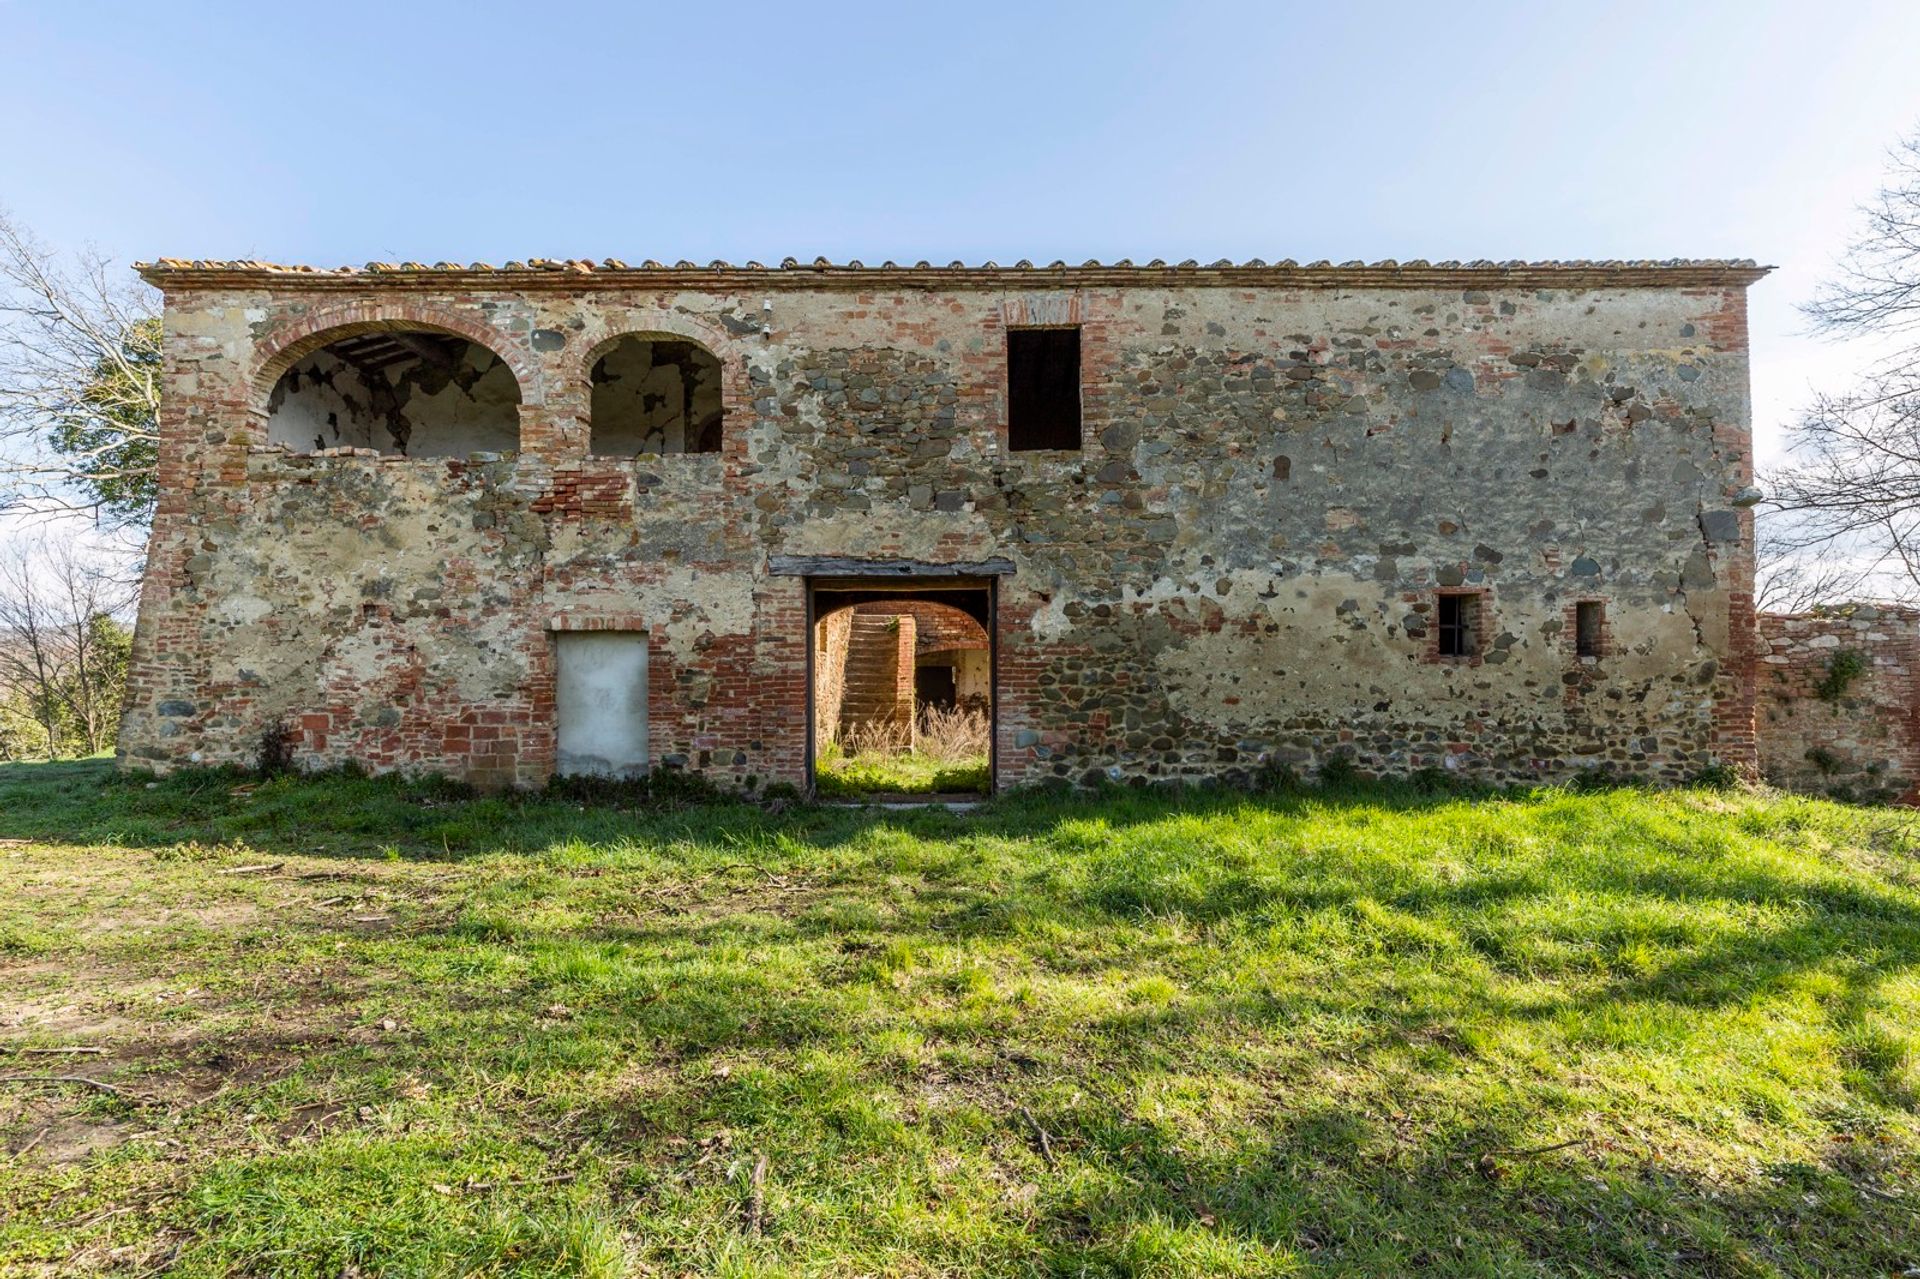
{"x": 1356, "y": 1193}
{"x": 1866, "y": 927}
{"x": 1351, "y": 1178}
{"x": 89, "y": 801}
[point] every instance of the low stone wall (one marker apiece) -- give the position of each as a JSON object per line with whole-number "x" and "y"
{"x": 1839, "y": 702}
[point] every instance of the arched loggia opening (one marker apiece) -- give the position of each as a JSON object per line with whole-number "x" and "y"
{"x": 413, "y": 392}
{"x": 654, "y": 394}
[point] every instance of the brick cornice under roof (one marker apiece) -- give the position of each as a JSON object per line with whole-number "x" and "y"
{"x": 552, "y": 273}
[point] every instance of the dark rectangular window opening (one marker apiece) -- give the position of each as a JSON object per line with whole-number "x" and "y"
{"x": 1589, "y": 617}
{"x": 1043, "y": 389}
{"x": 1457, "y": 618}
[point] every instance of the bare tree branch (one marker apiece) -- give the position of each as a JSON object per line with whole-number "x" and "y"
{"x": 1878, "y": 287}
{"x": 79, "y": 384}
{"x": 1846, "y": 505}
{"x": 1794, "y": 577}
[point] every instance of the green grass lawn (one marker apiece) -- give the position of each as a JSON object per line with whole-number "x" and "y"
{"x": 839, "y": 775}
{"x": 1367, "y": 1032}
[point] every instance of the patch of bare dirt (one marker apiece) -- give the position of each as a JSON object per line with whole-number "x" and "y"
{"x": 62, "y": 1013}
{"x": 46, "y": 1136}
{"x": 704, "y": 901}
{"x": 171, "y": 1046}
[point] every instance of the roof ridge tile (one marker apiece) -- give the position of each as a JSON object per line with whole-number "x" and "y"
{"x": 1386, "y": 271}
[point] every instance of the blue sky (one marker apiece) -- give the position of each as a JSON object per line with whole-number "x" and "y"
{"x": 347, "y": 132}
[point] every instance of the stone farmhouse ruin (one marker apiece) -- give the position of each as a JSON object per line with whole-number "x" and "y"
{"x": 1166, "y": 522}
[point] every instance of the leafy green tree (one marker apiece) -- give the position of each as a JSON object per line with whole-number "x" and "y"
{"x": 109, "y": 437}
{"x": 63, "y": 652}
{"x": 99, "y": 680}
{"x": 22, "y": 736}
{"x": 80, "y": 363}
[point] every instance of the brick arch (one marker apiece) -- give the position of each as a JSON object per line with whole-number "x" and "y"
{"x": 710, "y": 338}
{"x": 940, "y": 627}
{"x": 282, "y": 348}
{"x": 664, "y": 328}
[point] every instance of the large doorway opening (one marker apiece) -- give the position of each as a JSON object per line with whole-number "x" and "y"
{"x": 902, "y": 702}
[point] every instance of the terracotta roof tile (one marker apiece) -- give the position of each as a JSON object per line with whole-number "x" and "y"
{"x": 1418, "y": 271}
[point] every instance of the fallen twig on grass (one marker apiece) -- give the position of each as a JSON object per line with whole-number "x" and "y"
{"x": 54, "y": 1051}
{"x": 1489, "y": 1161}
{"x": 557, "y": 1179}
{"x": 98, "y": 1217}
{"x": 1533, "y": 1150}
{"x": 68, "y": 1079}
{"x": 165, "y": 1262}
{"x": 757, "y": 1200}
{"x": 331, "y": 1106}
{"x": 262, "y": 868}
{"x": 1046, "y": 1143}
{"x": 770, "y": 874}
{"x": 37, "y": 1139}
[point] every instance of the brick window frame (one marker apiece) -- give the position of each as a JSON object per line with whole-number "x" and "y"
{"x": 1481, "y": 599}
{"x": 542, "y": 678}
{"x": 1572, "y": 629}
{"x": 576, "y": 398}
{"x": 299, "y": 335}
{"x": 990, "y": 389}
{"x": 295, "y": 336}
{"x": 597, "y": 622}
{"x": 1054, "y": 446}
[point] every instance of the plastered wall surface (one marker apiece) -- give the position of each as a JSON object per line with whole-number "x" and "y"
{"x": 972, "y": 675}
{"x": 654, "y": 397}
{"x": 325, "y": 403}
{"x": 1237, "y": 570}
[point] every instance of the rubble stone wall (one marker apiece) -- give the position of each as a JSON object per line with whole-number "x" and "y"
{"x": 1239, "y": 568}
{"x": 1839, "y": 702}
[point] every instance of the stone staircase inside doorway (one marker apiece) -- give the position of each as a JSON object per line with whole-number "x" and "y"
{"x": 879, "y": 677}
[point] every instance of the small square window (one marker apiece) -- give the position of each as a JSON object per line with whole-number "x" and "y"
{"x": 1459, "y": 616}
{"x": 1589, "y": 627}
{"x": 1043, "y": 389}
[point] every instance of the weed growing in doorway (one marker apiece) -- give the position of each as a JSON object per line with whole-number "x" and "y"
{"x": 947, "y": 754}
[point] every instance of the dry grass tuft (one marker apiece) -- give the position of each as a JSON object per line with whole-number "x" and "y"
{"x": 875, "y": 738}
{"x": 952, "y": 735}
